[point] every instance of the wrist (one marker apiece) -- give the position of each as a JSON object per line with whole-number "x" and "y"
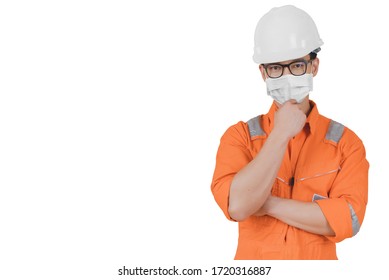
{"x": 279, "y": 137}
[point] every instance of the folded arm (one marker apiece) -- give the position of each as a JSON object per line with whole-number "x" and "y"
{"x": 303, "y": 215}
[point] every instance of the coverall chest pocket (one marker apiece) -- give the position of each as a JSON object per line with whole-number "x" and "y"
{"x": 281, "y": 188}
{"x": 314, "y": 183}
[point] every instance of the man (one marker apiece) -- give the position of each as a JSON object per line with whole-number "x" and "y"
{"x": 295, "y": 180}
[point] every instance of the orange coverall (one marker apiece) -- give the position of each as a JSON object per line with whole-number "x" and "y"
{"x": 325, "y": 163}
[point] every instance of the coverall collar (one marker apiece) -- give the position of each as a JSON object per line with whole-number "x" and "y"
{"x": 313, "y": 115}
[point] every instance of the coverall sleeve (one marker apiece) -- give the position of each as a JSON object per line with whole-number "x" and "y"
{"x": 232, "y": 156}
{"x": 345, "y": 208}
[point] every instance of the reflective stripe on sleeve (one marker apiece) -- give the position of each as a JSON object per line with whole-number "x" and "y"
{"x": 335, "y": 131}
{"x": 255, "y": 127}
{"x": 354, "y": 220}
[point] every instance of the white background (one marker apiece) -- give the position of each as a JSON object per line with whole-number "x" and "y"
{"x": 111, "y": 113}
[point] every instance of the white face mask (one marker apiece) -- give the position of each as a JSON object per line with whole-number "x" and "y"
{"x": 289, "y": 87}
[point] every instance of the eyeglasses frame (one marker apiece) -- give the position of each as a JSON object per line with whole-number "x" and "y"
{"x": 306, "y": 62}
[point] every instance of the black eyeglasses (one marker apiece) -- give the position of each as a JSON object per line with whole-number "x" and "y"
{"x": 296, "y": 68}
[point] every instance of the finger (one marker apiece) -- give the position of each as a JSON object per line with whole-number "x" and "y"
{"x": 293, "y": 101}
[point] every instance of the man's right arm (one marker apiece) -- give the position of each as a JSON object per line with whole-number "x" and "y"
{"x": 252, "y": 185}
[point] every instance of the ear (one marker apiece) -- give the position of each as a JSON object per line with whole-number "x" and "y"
{"x": 315, "y": 66}
{"x": 263, "y": 72}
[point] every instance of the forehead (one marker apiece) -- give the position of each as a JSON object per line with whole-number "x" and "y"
{"x": 289, "y": 61}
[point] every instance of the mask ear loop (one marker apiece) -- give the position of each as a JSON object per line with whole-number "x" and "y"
{"x": 311, "y": 74}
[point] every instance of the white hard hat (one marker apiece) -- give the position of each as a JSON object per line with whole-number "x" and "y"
{"x": 285, "y": 33}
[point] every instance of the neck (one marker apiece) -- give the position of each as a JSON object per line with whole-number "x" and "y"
{"x": 305, "y": 106}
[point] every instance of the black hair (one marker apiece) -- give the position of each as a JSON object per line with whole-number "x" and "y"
{"x": 313, "y": 54}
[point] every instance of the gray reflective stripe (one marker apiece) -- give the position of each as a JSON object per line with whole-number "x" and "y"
{"x": 354, "y": 220}
{"x": 318, "y": 197}
{"x": 255, "y": 127}
{"x": 335, "y": 131}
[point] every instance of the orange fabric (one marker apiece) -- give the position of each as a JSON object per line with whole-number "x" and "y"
{"x": 336, "y": 171}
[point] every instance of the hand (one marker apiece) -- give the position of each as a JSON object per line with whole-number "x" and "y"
{"x": 289, "y": 120}
{"x": 260, "y": 212}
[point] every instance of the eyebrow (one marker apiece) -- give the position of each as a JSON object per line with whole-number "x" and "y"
{"x": 295, "y": 60}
